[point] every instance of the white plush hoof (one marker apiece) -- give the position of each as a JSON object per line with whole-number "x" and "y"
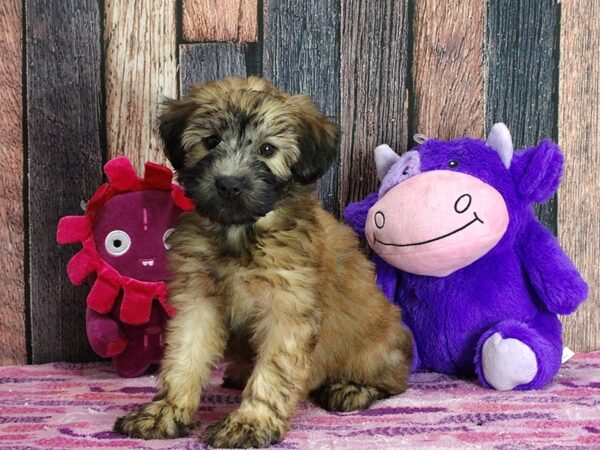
{"x": 507, "y": 363}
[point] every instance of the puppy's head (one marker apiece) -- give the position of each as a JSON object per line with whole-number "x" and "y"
{"x": 239, "y": 145}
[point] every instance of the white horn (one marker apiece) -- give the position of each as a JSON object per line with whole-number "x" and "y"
{"x": 385, "y": 158}
{"x": 501, "y": 141}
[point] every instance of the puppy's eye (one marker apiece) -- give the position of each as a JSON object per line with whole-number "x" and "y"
{"x": 453, "y": 163}
{"x": 267, "y": 150}
{"x": 212, "y": 141}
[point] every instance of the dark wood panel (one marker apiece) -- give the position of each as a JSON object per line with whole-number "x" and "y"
{"x": 220, "y": 20}
{"x": 141, "y": 68}
{"x": 448, "y": 68}
{"x": 374, "y": 47}
{"x": 64, "y": 115}
{"x": 200, "y": 63}
{"x": 301, "y": 54}
{"x": 579, "y": 137}
{"x": 12, "y": 305}
{"x": 522, "y": 73}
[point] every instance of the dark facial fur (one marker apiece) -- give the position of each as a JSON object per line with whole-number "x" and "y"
{"x": 260, "y": 189}
{"x": 240, "y": 146}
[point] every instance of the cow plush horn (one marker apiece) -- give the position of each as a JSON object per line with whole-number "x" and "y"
{"x": 501, "y": 141}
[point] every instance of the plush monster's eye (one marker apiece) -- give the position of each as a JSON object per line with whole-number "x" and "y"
{"x": 453, "y": 163}
{"x": 212, "y": 141}
{"x": 267, "y": 150}
{"x": 166, "y": 236}
{"x": 117, "y": 243}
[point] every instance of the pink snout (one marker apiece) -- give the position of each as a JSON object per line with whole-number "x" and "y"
{"x": 436, "y": 222}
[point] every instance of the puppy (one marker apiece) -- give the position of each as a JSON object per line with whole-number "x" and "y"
{"x": 263, "y": 275}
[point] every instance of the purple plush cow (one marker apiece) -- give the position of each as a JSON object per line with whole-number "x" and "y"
{"x": 459, "y": 249}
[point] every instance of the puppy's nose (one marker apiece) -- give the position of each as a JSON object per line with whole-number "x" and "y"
{"x": 229, "y": 187}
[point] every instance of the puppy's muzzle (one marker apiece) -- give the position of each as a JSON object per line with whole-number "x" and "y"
{"x": 229, "y": 187}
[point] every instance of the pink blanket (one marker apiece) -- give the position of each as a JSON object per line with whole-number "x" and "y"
{"x": 75, "y": 405}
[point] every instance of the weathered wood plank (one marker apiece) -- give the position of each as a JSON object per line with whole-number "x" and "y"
{"x": 141, "y": 68}
{"x": 200, "y": 63}
{"x": 12, "y": 280}
{"x": 448, "y": 68}
{"x": 301, "y": 55}
{"x": 64, "y": 117}
{"x": 522, "y": 74}
{"x": 579, "y": 137}
{"x": 374, "y": 49}
{"x": 220, "y": 20}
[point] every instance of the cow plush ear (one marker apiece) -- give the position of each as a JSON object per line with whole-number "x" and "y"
{"x": 537, "y": 172}
{"x": 318, "y": 140}
{"x": 172, "y": 121}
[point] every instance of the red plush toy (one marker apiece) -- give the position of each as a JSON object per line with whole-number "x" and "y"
{"x": 124, "y": 232}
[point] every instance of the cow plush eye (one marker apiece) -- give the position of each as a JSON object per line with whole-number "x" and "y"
{"x": 267, "y": 150}
{"x": 117, "y": 243}
{"x": 453, "y": 163}
{"x": 212, "y": 141}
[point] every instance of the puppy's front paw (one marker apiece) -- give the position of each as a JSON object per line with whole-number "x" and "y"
{"x": 244, "y": 432}
{"x": 155, "y": 420}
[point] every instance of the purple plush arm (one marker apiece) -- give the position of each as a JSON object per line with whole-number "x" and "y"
{"x": 355, "y": 213}
{"x": 551, "y": 272}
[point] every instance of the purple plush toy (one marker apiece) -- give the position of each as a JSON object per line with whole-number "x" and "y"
{"x": 459, "y": 249}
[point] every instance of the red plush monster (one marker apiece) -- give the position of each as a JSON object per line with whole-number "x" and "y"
{"x": 124, "y": 232}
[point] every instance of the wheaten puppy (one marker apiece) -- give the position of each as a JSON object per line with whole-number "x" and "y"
{"x": 263, "y": 275}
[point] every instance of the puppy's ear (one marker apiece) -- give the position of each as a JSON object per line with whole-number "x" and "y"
{"x": 318, "y": 141}
{"x": 172, "y": 122}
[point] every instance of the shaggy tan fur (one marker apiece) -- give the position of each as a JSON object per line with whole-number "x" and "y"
{"x": 290, "y": 299}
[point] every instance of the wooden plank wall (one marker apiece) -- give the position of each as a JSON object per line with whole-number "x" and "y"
{"x": 89, "y": 81}
{"x": 209, "y": 61}
{"x": 12, "y": 228}
{"x": 140, "y": 68}
{"x": 374, "y": 92}
{"x": 220, "y": 20}
{"x": 448, "y": 69}
{"x": 579, "y": 137}
{"x": 64, "y": 127}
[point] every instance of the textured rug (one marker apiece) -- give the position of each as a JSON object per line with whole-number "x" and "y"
{"x": 75, "y": 405}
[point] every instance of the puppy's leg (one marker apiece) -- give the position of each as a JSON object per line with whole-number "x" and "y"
{"x": 376, "y": 371}
{"x": 195, "y": 341}
{"x": 277, "y": 382}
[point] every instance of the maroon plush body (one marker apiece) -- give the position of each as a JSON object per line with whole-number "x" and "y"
{"x": 124, "y": 235}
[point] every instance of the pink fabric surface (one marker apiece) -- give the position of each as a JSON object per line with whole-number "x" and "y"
{"x": 74, "y": 406}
